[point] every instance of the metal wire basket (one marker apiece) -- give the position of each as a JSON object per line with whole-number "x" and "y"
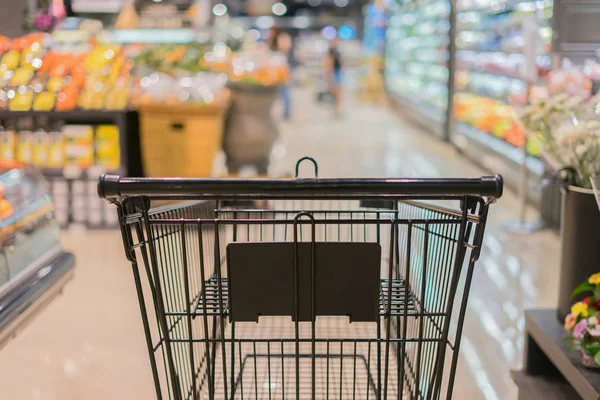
{"x": 322, "y": 289}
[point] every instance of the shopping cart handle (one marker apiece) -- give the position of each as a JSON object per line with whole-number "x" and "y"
{"x": 113, "y": 186}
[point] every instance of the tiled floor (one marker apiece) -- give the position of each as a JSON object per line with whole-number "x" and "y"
{"x": 88, "y": 344}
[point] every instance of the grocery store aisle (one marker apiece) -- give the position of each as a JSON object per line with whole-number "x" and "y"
{"x": 88, "y": 344}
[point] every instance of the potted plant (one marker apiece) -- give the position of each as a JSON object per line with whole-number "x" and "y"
{"x": 583, "y": 322}
{"x": 569, "y": 128}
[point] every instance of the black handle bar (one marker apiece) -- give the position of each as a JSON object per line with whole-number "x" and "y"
{"x": 113, "y": 186}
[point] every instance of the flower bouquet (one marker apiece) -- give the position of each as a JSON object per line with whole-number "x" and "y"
{"x": 569, "y": 128}
{"x": 583, "y": 323}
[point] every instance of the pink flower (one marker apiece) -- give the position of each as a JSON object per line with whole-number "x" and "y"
{"x": 580, "y": 328}
{"x": 595, "y": 331}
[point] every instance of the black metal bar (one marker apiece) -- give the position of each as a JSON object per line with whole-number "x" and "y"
{"x": 186, "y": 284}
{"x": 327, "y": 372}
{"x": 269, "y": 367}
{"x": 353, "y": 376}
{"x": 368, "y": 368}
{"x": 282, "y": 373}
{"x": 460, "y": 251}
{"x": 313, "y": 288}
{"x": 217, "y": 260}
{"x": 255, "y": 373}
{"x": 161, "y": 310}
{"x": 463, "y": 306}
{"x": 422, "y": 311}
{"x": 388, "y": 318}
{"x": 127, "y": 242}
{"x": 241, "y": 371}
{"x": 341, "y": 369}
{"x": 211, "y": 388}
{"x": 232, "y": 360}
{"x": 309, "y": 340}
{"x": 405, "y": 317}
{"x": 340, "y": 221}
{"x": 112, "y": 186}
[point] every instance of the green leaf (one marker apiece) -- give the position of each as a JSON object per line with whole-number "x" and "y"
{"x": 567, "y": 339}
{"x": 593, "y": 348}
{"x": 583, "y": 287}
{"x": 597, "y": 358}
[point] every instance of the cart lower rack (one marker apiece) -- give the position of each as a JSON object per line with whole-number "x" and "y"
{"x": 302, "y": 288}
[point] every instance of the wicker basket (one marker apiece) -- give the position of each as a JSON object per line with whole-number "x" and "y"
{"x": 180, "y": 140}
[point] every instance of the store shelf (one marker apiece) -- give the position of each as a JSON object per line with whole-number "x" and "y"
{"x": 428, "y": 116}
{"x": 496, "y": 74}
{"x": 97, "y": 6}
{"x": 27, "y": 294}
{"x": 497, "y": 156}
{"x": 500, "y": 8}
{"x": 502, "y": 98}
{"x": 125, "y": 120}
{"x": 91, "y": 116}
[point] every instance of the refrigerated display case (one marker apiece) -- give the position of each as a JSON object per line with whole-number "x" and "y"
{"x": 489, "y": 84}
{"x": 417, "y": 56}
{"x": 33, "y": 266}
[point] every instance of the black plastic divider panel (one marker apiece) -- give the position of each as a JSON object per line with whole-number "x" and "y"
{"x": 261, "y": 280}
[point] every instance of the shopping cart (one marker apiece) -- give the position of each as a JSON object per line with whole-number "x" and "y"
{"x": 319, "y": 289}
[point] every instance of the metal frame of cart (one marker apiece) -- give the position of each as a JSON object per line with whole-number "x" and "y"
{"x": 324, "y": 288}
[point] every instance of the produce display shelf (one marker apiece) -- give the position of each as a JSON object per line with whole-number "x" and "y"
{"x": 428, "y": 116}
{"x": 28, "y": 293}
{"x": 483, "y": 93}
{"x": 507, "y": 7}
{"x": 489, "y": 51}
{"x": 430, "y": 18}
{"x": 80, "y": 115}
{"x": 72, "y": 187}
{"x": 417, "y": 65}
{"x": 496, "y": 74}
{"x": 499, "y": 28}
{"x": 488, "y": 61}
{"x": 496, "y": 155}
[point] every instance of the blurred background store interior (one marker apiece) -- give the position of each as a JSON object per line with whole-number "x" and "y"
{"x": 244, "y": 88}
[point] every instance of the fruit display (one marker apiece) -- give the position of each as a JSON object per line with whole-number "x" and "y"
{"x": 259, "y": 66}
{"x": 173, "y": 58}
{"x": 201, "y": 88}
{"x": 493, "y": 117}
{"x": 33, "y": 77}
{"x": 490, "y": 60}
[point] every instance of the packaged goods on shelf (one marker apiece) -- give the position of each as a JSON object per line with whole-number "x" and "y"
{"x": 8, "y": 142}
{"x": 106, "y": 145}
{"x": 79, "y": 145}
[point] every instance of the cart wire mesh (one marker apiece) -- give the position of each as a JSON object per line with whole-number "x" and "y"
{"x": 263, "y": 294}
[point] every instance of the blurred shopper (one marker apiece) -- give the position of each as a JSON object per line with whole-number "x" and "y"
{"x": 281, "y": 42}
{"x": 333, "y": 73}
